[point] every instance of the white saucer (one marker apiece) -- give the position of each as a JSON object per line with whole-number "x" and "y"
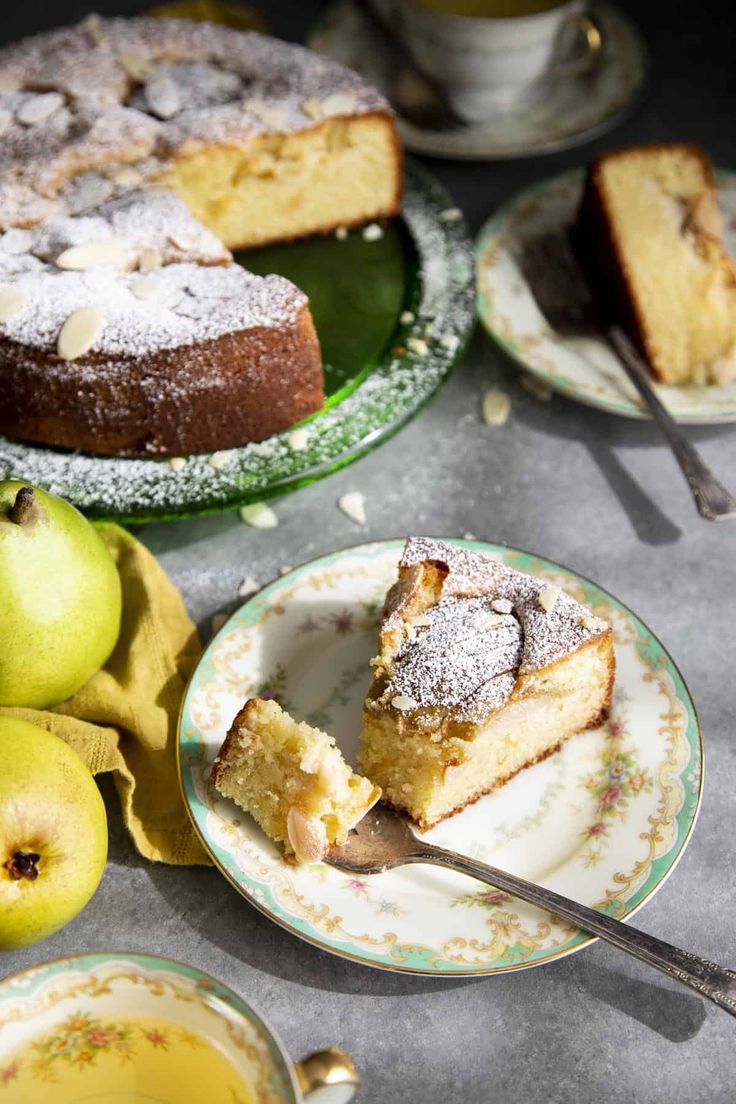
{"x": 566, "y": 112}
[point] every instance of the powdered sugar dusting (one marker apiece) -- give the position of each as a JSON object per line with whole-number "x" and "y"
{"x": 194, "y": 304}
{"x": 141, "y": 90}
{"x": 544, "y": 637}
{"x": 465, "y": 658}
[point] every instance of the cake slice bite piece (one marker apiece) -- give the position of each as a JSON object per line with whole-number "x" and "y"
{"x": 292, "y": 779}
{"x": 483, "y": 670}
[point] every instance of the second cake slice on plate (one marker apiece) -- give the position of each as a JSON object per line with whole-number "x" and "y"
{"x": 482, "y": 670}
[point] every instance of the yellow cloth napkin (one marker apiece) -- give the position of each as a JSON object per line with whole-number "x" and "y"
{"x": 125, "y": 719}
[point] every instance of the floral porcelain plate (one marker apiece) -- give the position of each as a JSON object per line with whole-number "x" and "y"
{"x": 582, "y": 368}
{"x": 393, "y": 310}
{"x": 566, "y": 112}
{"x": 603, "y": 821}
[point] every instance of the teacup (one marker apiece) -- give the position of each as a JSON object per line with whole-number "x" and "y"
{"x": 492, "y": 64}
{"x": 137, "y": 1027}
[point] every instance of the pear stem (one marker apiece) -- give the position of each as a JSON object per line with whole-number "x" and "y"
{"x": 25, "y": 508}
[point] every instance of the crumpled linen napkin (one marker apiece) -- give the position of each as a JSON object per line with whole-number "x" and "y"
{"x": 125, "y": 718}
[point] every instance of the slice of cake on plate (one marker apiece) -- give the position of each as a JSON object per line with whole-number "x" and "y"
{"x": 482, "y": 670}
{"x": 292, "y": 779}
{"x": 648, "y": 236}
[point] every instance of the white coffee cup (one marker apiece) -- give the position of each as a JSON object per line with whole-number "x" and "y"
{"x": 490, "y": 65}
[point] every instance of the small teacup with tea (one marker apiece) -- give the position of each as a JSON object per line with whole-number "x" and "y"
{"x": 491, "y": 54}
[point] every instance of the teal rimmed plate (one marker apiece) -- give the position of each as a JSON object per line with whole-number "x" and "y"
{"x": 582, "y": 368}
{"x": 379, "y": 371}
{"x": 604, "y": 820}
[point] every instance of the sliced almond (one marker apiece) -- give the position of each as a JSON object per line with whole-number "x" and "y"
{"x": 247, "y": 587}
{"x": 548, "y": 598}
{"x": 80, "y": 258}
{"x": 146, "y": 288}
{"x": 177, "y": 463}
{"x": 502, "y": 605}
{"x": 259, "y": 516}
{"x": 496, "y": 407}
{"x": 372, "y": 232}
{"x": 10, "y": 83}
{"x": 312, "y": 108}
{"x": 451, "y": 214}
{"x": 79, "y": 333}
{"x": 6, "y": 118}
{"x": 39, "y": 108}
{"x": 341, "y": 233}
{"x": 149, "y": 260}
{"x": 298, "y": 438}
{"x": 418, "y": 346}
{"x": 587, "y": 621}
{"x": 307, "y": 835}
{"x": 219, "y": 460}
{"x": 420, "y": 621}
{"x": 12, "y": 301}
{"x": 162, "y": 96}
{"x": 352, "y": 505}
{"x": 135, "y": 65}
{"x": 260, "y": 448}
{"x": 339, "y": 103}
{"x": 403, "y": 702}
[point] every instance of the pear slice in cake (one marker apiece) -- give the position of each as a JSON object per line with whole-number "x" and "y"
{"x": 483, "y": 670}
{"x": 292, "y": 779}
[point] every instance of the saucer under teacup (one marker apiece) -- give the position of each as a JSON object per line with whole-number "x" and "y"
{"x": 560, "y": 111}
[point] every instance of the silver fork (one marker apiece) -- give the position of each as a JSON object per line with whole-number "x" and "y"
{"x": 384, "y": 840}
{"x": 565, "y": 299}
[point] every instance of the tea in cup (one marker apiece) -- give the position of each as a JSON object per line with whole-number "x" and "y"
{"x": 141, "y": 1028}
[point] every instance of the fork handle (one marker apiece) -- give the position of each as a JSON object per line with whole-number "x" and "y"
{"x": 714, "y": 982}
{"x": 712, "y": 499}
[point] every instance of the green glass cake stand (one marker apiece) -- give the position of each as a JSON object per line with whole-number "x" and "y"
{"x": 392, "y": 313}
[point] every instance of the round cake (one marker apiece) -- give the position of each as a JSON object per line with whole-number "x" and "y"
{"x": 134, "y": 155}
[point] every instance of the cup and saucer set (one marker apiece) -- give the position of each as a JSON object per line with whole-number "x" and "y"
{"x": 520, "y": 77}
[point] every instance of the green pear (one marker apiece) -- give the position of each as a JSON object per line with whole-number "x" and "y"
{"x": 53, "y": 833}
{"x": 60, "y": 598}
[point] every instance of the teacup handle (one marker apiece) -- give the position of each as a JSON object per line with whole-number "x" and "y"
{"x": 327, "y": 1077}
{"x": 590, "y": 30}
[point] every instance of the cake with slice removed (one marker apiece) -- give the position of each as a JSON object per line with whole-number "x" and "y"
{"x": 292, "y": 779}
{"x": 483, "y": 670}
{"x": 648, "y": 236}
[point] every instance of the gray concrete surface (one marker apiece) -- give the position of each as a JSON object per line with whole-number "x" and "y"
{"x": 598, "y": 493}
